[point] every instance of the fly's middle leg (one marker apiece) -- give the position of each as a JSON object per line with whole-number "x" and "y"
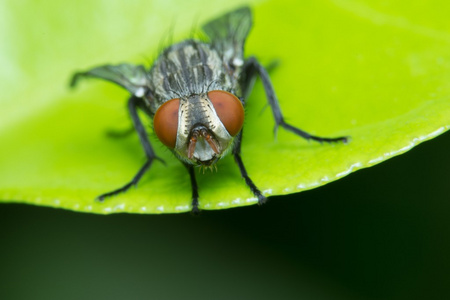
{"x": 252, "y": 68}
{"x": 237, "y": 157}
{"x": 195, "y": 210}
{"x": 120, "y": 133}
{"x": 133, "y": 103}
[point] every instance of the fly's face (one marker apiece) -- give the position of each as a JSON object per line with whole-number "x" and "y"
{"x": 200, "y": 128}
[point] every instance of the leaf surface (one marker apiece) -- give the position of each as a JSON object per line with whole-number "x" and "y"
{"x": 379, "y": 73}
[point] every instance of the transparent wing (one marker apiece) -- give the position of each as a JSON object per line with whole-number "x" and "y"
{"x": 131, "y": 77}
{"x": 229, "y": 32}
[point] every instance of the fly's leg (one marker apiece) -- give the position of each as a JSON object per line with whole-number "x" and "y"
{"x": 123, "y": 133}
{"x": 133, "y": 103}
{"x": 127, "y": 186}
{"x": 237, "y": 158}
{"x": 252, "y": 68}
{"x": 195, "y": 210}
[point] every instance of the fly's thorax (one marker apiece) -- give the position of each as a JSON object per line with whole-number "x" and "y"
{"x": 188, "y": 68}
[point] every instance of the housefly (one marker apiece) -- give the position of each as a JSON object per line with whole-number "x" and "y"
{"x": 195, "y": 92}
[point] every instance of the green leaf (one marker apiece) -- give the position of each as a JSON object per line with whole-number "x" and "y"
{"x": 378, "y": 72}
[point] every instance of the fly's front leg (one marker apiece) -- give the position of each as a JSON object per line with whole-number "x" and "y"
{"x": 237, "y": 158}
{"x": 195, "y": 209}
{"x": 132, "y": 129}
{"x": 133, "y": 103}
{"x": 253, "y": 67}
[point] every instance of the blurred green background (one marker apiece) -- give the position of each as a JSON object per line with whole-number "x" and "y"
{"x": 379, "y": 233}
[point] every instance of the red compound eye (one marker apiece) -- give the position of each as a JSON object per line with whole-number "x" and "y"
{"x": 229, "y": 109}
{"x": 165, "y": 122}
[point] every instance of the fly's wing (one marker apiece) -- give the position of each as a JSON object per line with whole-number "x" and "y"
{"x": 131, "y": 77}
{"x": 228, "y": 33}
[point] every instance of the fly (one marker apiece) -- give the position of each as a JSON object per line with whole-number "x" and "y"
{"x": 195, "y": 92}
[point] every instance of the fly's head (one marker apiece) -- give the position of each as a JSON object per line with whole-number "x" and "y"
{"x": 200, "y": 128}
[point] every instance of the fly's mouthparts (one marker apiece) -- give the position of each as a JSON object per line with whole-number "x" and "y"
{"x": 192, "y": 142}
{"x": 212, "y": 142}
{"x": 202, "y": 132}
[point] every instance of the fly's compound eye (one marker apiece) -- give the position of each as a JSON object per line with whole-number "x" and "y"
{"x": 165, "y": 122}
{"x": 229, "y": 110}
